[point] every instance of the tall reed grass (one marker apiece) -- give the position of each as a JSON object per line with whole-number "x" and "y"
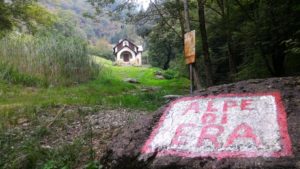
{"x": 54, "y": 58}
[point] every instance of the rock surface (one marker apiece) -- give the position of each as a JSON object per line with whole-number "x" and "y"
{"x": 159, "y": 77}
{"x": 131, "y": 80}
{"x": 172, "y": 97}
{"x": 150, "y": 89}
{"x": 125, "y": 149}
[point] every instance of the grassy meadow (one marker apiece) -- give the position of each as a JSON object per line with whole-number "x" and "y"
{"x": 40, "y": 106}
{"x": 108, "y": 89}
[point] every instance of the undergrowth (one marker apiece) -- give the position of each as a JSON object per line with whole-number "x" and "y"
{"x": 51, "y": 56}
{"x": 24, "y": 146}
{"x": 10, "y": 75}
{"x": 27, "y": 146}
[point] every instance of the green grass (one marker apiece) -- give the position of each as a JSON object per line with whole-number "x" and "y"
{"x": 108, "y": 90}
{"x": 24, "y": 148}
{"x": 48, "y": 56}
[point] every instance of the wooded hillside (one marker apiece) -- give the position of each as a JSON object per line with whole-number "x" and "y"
{"x": 236, "y": 39}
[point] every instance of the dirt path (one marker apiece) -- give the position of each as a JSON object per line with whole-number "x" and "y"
{"x": 97, "y": 126}
{"x": 61, "y": 126}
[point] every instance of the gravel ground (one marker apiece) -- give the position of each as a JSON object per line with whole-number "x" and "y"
{"x": 103, "y": 123}
{"x": 65, "y": 124}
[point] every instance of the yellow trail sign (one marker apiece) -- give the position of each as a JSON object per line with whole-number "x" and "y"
{"x": 190, "y": 47}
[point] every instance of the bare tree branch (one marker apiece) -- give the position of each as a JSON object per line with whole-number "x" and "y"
{"x": 164, "y": 20}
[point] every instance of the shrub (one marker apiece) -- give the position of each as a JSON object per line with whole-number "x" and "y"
{"x": 178, "y": 64}
{"x": 107, "y": 54}
{"x": 12, "y": 76}
{"x": 252, "y": 68}
{"x": 102, "y": 48}
{"x": 170, "y": 74}
{"x": 55, "y": 58}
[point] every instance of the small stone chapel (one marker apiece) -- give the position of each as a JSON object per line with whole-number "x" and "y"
{"x": 127, "y": 53}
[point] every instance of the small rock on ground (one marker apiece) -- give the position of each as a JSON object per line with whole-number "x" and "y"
{"x": 131, "y": 80}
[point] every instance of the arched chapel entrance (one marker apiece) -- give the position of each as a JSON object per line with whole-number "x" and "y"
{"x": 126, "y": 56}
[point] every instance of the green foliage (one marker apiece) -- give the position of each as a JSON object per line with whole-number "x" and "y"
{"x": 292, "y": 60}
{"x": 143, "y": 30}
{"x": 163, "y": 47}
{"x": 108, "y": 90}
{"x": 102, "y": 48}
{"x": 10, "y": 75}
{"x": 252, "y": 68}
{"x": 261, "y": 42}
{"x": 178, "y": 65}
{"x": 49, "y": 165}
{"x": 93, "y": 165}
{"x": 170, "y": 74}
{"x": 37, "y": 17}
{"x": 30, "y": 154}
{"x": 107, "y": 54}
{"x": 246, "y": 39}
{"x": 25, "y": 148}
{"x": 161, "y": 29}
{"x": 5, "y": 18}
{"x": 26, "y": 15}
{"x": 55, "y": 58}
{"x": 67, "y": 24}
{"x": 67, "y": 155}
{"x": 83, "y": 15}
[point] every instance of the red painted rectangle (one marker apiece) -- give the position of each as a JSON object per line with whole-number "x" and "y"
{"x": 222, "y": 126}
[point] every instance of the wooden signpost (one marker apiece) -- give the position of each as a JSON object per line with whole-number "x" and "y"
{"x": 189, "y": 43}
{"x": 190, "y": 47}
{"x": 190, "y": 53}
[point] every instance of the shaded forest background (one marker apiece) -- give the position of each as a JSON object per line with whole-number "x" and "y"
{"x": 236, "y": 39}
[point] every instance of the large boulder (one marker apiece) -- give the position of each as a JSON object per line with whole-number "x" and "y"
{"x": 266, "y": 138}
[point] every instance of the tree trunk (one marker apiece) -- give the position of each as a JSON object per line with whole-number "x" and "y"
{"x": 278, "y": 58}
{"x": 186, "y": 16}
{"x": 195, "y": 73}
{"x": 231, "y": 56}
{"x": 167, "y": 63}
{"x": 181, "y": 19}
{"x": 196, "y": 77}
{"x": 207, "y": 61}
{"x": 225, "y": 17}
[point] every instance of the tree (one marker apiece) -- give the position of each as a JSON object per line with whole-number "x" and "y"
{"x": 222, "y": 8}
{"x": 22, "y": 14}
{"x": 267, "y": 25}
{"x": 185, "y": 27}
{"x": 164, "y": 38}
{"x": 202, "y": 27}
{"x": 240, "y": 39}
{"x": 5, "y": 17}
{"x": 163, "y": 46}
{"x": 276, "y": 22}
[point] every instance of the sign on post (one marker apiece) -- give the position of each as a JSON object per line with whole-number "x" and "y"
{"x": 232, "y": 125}
{"x": 190, "y": 47}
